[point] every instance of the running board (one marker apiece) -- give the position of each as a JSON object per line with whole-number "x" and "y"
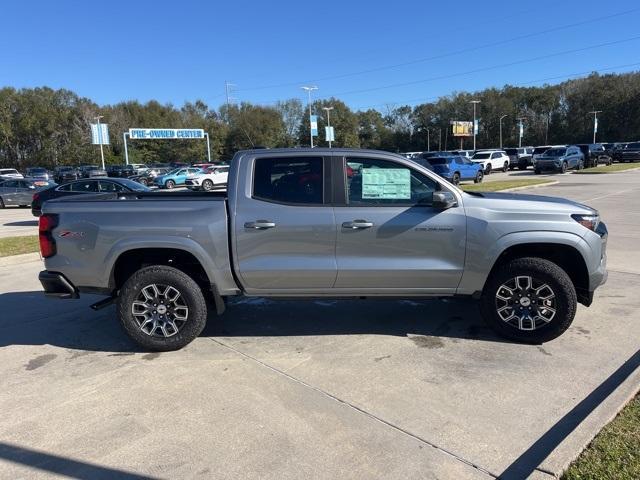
{"x": 103, "y": 303}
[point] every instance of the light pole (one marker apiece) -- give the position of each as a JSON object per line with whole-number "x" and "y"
{"x": 428, "y": 141}
{"x": 521, "y": 131}
{"x": 475, "y": 102}
{"x": 328, "y": 110}
{"x": 100, "y": 139}
{"x": 503, "y": 116}
{"x": 309, "y": 89}
{"x": 440, "y": 139}
{"x": 595, "y": 123}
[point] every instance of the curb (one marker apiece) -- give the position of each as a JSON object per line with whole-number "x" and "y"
{"x": 526, "y": 187}
{"x": 19, "y": 259}
{"x": 605, "y": 173}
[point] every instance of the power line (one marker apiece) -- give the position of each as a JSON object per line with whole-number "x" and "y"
{"x": 448, "y": 54}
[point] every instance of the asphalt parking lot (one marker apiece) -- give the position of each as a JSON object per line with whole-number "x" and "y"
{"x": 325, "y": 389}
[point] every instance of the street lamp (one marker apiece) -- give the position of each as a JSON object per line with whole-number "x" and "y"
{"x": 328, "y": 110}
{"x": 475, "y": 102}
{"x": 428, "y": 141}
{"x": 309, "y": 89}
{"x": 100, "y": 138}
{"x": 595, "y": 123}
{"x": 521, "y": 131}
{"x": 501, "y": 129}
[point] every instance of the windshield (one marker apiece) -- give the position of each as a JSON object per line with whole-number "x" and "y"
{"x": 8, "y": 171}
{"x": 135, "y": 186}
{"x": 440, "y": 160}
{"x": 538, "y": 150}
{"x": 634, "y": 145}
{"x": 481, "y": 156}
{"x": 511, "y": 151}
{"x": 38, "y": 170}
{"x": 556, "y": 152}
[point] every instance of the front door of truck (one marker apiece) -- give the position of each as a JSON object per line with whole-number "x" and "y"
{"x": 284, "y": 228}
{"x": 390, "y": 236}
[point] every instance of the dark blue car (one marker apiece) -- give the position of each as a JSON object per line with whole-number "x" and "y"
{"x": 454, "y": 168}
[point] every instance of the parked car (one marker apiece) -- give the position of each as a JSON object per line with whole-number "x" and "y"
{"x": 38, "y": 173}
{"x": 616, "y": 151}
{"x": 456, "y": 169}
{"x": 292, "y": 223}
{"x": 519, "y": 157}
{"x": 463, "y": 153}
{"x": 209, "y": 178}
{"x": 560, "y": 159}
{"x": 78, "y": 187}
{"x": 147, "y": 177}
{"x": 18, "y": 191}
{"x": 175, "y": 177}
{"x": 90, "y": 171}
{"x": 65, "y": 174}
{"x": 594, "y": 154}
{"x": 630, "y": 153}
{"x": 420, "y": 161}
{"x": 9, "y": 173}
{"x": 491, "y": 160}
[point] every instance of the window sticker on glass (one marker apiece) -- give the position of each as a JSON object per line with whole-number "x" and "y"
{"x": 386, "y": 183}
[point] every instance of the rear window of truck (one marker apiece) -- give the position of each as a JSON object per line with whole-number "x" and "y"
{"x": 290, "y": 180}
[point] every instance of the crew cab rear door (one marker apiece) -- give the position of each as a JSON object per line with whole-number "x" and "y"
{"x": 284, "y": 227}
{"x": 390, "y": 237}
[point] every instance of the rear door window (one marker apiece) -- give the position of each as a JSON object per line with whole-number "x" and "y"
{"x": 88, "y": 186}
{"x": 291, "y": 180}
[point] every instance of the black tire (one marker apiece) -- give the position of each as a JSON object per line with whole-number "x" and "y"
{"x": 487, "y": 169}
{"x": 158, "y": 339}
{"x": 169, "y": 184}
{"x": 581, "y": 165}
{"x": 479, "y": 177}
{"x": 505, "y": 167}
{"x": 522, "y": 166}
{"x": 455, "y": 179}
{"x": 1, "y": 203}
{"x": 564, "y": 167}
{"x": 537, "y": 171}
{"x": 144, "y": 181}
{"x": 207, "y": 185}
{"x": 541, "y": 272}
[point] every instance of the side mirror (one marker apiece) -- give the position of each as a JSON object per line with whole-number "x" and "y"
{"x": 443, "y": 200}
{"x": 32, "y": 187}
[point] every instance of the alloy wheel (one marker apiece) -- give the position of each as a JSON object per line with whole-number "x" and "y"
{"x": 525, "y": 303}
{"x": 160, "y": 310}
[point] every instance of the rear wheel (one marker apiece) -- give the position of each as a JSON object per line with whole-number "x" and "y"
{"x": 522, "y": 166}
{"x": 207, "y": 185}
{"x": 487, "y": 169}
{"x": 162, "y": 308}
{"x": 170, "y": 184}
{"x": 564, "y": 167}
{"x": 1, "y": 203}
{"x": 529, "y": 300}
{"x": 479, "y": 177}
{"x": 455, "y": 179}
{"x": 580, "y": 165}
{"x": 505, "y": 167}
{"x": 144, "y": 181}
{"x": 537, "y": 171}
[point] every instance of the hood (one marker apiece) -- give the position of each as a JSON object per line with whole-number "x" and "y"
{"x": 518, "y": 202}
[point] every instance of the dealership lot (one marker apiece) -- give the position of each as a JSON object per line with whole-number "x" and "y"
{"x": 329, "y": 389}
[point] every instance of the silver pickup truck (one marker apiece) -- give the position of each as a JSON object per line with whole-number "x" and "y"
{"x": 323, "y": 223}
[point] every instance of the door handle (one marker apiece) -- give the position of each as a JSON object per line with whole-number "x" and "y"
{"x": 357, "y": 224}
{"x": 260, "y": 224}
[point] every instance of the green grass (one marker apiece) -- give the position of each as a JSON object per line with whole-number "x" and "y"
{"x": 615, "y": 167}
{"x": 18, "y": 245}
{"x": 503, "y": 185}
{"x": 615, "y": 452}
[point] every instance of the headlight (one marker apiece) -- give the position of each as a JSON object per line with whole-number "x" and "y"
{"x": 588, "y": 221}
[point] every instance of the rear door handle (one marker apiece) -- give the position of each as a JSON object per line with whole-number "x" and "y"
{"x": 357, "y": 224}
{"x": 260, "y": 224}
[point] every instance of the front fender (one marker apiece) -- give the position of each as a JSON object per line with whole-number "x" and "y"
{"x": 481, "y": 257}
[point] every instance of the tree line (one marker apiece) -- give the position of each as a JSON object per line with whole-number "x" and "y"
{"x": 47, "y": 127}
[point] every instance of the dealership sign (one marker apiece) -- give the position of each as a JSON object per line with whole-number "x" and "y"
{"x": 166, "y": 133}
{"x": 461, "y": 129}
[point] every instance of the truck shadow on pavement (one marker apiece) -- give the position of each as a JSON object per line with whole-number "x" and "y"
{"x": 24, "y": 223}
{"x": 32, "y": 319}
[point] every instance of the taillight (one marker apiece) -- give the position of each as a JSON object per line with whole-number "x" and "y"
{"x": 46, "y": 224}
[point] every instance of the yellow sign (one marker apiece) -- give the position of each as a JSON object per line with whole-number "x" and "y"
{"x": 461, "y": 129}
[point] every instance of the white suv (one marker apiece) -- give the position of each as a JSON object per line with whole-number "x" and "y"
{"x": 492, "y": 160}
{"x": 209, "y": 178}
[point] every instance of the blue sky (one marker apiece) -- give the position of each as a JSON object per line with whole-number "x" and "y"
{"x": 417, "y": 50}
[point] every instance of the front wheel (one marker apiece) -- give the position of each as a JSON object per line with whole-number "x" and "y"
{"x": 505, "y": 167}
{"x": 530, "y": 300}
{"x": 456, "y": 178}
{"x": 162, "y": 308}
{"x": 144, "y": 181}
{"x": 581, "y": 165}
{"x": 563, "y": 168}
{"x": 170, "y": 184}
{"x": 537, "y": 171}
{"x": 479, "y": 177}
{"x": 487, "y": 169}
{"x": 207, "y": 185}
{"x": 1, "y": 203}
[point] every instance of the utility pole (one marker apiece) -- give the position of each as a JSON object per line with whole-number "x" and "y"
{"x": 440, "y": 139}
{"x": 501, "y": 129}
{"x": 428, "y": 141}
{"x": 227, "y": 89}
{"x": 309, "y": 89}
{"x": 100, "y": 138}
{"x": 328, "y": 110}
{"x": 521, "y": 131}
{"x": 475, "y": 102}
{"x": 595, "y": 123}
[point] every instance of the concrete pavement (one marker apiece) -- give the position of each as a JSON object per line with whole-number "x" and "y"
{"x": 325, "y": 389}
